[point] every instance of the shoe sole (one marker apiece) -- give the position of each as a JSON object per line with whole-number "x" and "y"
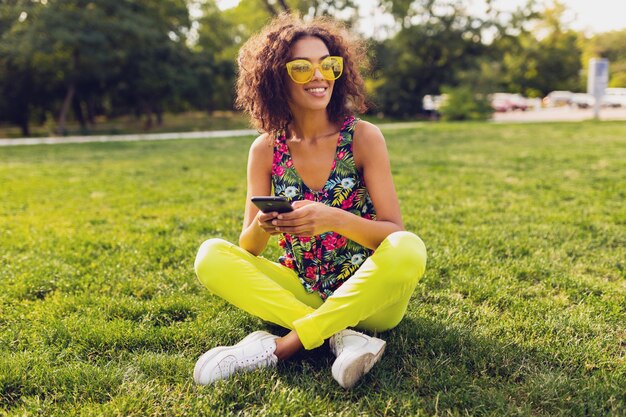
{"x": 207, "y": 356}
{"x": 348, "y": 369}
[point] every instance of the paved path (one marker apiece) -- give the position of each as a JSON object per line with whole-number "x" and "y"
{"x": 127, "y": 138}
{"x": 543, "y": 115}
{"x": 559, "y": 114}
{"x": 161, "y": 136}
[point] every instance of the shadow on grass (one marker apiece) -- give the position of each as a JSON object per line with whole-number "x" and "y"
{"x": 428, "y": 368}
{"x": 431, "y": 367}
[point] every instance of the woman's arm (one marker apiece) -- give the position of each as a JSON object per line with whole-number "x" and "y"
{"x": 370, "y": 153}
{"x": 254, "y": 237}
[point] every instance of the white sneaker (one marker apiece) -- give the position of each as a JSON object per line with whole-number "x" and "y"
{"x": 254, "y": 351}
{"x": 356, "y": 354}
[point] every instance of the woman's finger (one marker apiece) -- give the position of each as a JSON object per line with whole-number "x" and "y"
{"x": 264, "y": 217}
{"x": 290, "y": 222}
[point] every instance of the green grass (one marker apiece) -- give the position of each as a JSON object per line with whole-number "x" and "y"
{"x": 522, "y": 310}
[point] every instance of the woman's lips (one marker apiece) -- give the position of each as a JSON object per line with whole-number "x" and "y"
{"x": 317, "y": 91}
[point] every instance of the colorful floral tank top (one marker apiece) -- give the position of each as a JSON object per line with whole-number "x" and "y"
{"x": 325, "y": 261}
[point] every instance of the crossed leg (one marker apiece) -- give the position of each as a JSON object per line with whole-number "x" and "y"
{"x": 374, "y": 298}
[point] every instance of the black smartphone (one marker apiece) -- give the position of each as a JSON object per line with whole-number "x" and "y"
{"x": 271, "y": 204}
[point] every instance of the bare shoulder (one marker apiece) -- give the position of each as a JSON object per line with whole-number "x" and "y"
{"x": 369, "y": 143}
{"x": 262, "y": 148}
{"x": 261, "y": 153}
{"x": 261, "y": 145}
{"x": 367, "y": 134}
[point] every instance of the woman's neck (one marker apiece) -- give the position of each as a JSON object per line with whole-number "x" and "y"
{"x": 311, "y": 126}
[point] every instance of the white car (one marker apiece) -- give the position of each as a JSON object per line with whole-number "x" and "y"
{"x": 614, "y": 97}
{"x": 558, "y": 98}
{"x": 501, "y": 102}
{"x": 582, "y": 100}
{"x": 432, "y": 102}
{"x": 518, "y": 102}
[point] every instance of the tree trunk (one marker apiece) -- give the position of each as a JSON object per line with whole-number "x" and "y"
{"x": 284, "y": 6}
{"x": 23, "y": 122}
{"x": 91, "y": 112}
{"x": 159, "y": 115}
{"x": 147, "y": 110}
{"x": 269, "y": 8}
{"x": 78, "y": 112}
{"x": 316, "y": 8}
{"x": 64, "y": 109}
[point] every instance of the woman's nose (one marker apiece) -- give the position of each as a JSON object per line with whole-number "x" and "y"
{"x": 318, "y": 74}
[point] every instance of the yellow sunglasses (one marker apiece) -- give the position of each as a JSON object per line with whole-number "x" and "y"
{"x": 302, "y": 71}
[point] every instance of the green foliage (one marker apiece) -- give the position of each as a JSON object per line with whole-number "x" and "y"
{"x": 463, "y": 103}
{"x": 214, "y": 60}
{"x": 88, "y": 59}
{"x": 535, "y": 66}
{"x": 129, "y": 55}
{"x": 422, "y": 58}
{"x": 610, "y": 45}
{"x": 520, "y": 312}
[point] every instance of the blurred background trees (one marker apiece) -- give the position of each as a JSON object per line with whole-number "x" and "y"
{"x": 611, "y": 45}
{"x": 545, "y": 58}
{"x": 89, "y": 60}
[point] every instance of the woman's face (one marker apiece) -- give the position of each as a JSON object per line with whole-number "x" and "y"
{"x": 315, "y": 94}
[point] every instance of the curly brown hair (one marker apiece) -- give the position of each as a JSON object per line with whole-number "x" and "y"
{"x": 262, "y": 86}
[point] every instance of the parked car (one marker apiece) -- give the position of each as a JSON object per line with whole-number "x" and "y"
{"x": 431, "y": 102}
{"x": 582, "y": 100}
{"x": 533, "y": 103}
{"x": 614, "y": 97}
{"x": 501, "y": 102}
{"x": 558, "y": 98}
{"x": 518, "y": 102}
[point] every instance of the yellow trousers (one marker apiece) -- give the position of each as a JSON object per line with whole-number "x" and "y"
{"x": 374, "y": 298}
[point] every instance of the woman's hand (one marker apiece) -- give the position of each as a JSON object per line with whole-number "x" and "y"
{"x": 264, "y": 221}
{"x": 308, "y": 218}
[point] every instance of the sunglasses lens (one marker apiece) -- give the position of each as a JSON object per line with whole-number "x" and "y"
{"x": 331, "y": 67}
{"x": 301, "y": 71}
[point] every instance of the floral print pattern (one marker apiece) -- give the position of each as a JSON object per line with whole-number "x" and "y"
{"x": 325, "y": 261}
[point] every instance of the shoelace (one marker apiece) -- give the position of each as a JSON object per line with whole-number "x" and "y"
{"x": 265, "y": 358}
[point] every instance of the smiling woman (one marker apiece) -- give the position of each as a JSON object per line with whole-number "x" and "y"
{"x": 300, "y": 84}
{"x": 261, "y": 93}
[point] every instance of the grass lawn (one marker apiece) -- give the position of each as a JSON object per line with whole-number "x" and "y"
{"x": 522, "y": 310}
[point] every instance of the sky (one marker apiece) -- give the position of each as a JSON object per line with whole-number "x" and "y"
{"x": 591, "y": 16}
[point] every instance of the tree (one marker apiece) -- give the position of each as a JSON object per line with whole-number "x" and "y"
{"x": 155, "y": 62}
{"x": 610, "y": 45}
{"x": 463, "y": 103}
{"x": 544, "y": 59}
{"x": 430, "y": 49}
{"x": 94, "y": 49}
{"x": 19, "y": 86}
{"x": 214, "y": 60}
